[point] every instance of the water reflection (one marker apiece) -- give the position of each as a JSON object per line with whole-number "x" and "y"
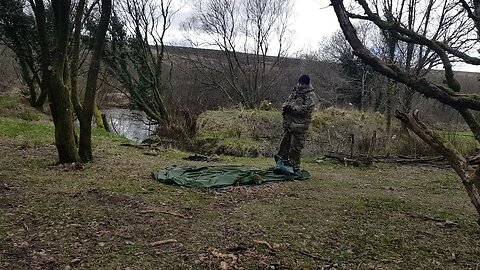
{"x": 133, "y": 125}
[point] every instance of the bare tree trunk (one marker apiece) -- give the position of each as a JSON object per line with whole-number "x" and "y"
{"x": 377, "y": 101}
{"x": 363, "y": 91}
{"x": 32, "y": 82}
{"x": 388, "y": 107}
{"x": 105, "y": 123}
{"x": 85, "y": 143}
{"x": 407, "y": 106}
{"x": 472, "y": 185}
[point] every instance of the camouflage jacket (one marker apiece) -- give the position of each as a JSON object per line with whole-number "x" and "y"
{"x": 297, "y": 110}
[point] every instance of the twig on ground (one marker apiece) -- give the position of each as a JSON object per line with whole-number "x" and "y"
{"x": 439, "y": 162}
{"x": 140, "y": 146}
{"x": 163, "y": 242}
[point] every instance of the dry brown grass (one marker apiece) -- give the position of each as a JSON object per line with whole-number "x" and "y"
{"x": 110, "y": 214}
{"x": 107, "y": 214}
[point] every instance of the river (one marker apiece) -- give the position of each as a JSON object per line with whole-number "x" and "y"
{"x": 131, "y": 124}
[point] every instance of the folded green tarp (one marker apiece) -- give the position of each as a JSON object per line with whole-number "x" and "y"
{"x": 221, "y": 176}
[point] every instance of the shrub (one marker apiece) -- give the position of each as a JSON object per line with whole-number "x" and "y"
{"x": 257, "y": 132}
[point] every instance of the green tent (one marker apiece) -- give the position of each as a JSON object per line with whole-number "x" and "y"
{"x": 221, "y": 176}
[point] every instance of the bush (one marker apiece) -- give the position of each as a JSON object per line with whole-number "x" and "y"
{"x": 258, "y": 132}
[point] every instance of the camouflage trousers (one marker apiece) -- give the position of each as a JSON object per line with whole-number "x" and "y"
{"x": 291, "y": 147}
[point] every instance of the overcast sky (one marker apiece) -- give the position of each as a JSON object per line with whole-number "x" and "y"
{"x": 311, "y": 21}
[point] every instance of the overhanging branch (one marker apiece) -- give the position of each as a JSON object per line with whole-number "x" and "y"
{"x": 441, "y": 93}
{"x": 395, "y": 27}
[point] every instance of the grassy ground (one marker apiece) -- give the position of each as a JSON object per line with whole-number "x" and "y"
{"x": 110, "y": 214}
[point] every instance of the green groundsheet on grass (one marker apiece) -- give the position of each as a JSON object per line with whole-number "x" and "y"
{"x": 221, "y": 176}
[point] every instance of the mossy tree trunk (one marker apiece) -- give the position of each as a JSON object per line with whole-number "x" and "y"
{"x": 85, "y": 115}
{"x": 97, "y": 114}
{"x": 59, "y": 71}
{"x": 52, "y": 66}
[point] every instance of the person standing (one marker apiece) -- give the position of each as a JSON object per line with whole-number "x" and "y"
{"x": 297, "y": 116}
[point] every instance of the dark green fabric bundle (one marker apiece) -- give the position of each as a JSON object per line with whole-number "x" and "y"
{"x": 221, "y": 176}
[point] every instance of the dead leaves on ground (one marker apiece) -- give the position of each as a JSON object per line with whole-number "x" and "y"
{"x": 233, "y": 257}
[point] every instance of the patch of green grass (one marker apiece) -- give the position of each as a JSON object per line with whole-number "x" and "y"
{"x": 242, "y": 143}
{"x": 6, "y": 101}
{"x": 3, "y": 228}
{"x": 123, "y": 187}
{"x": 30, "y": 131}
{"x": 36, "y": 163}
{"x": 48, "y": 209}
{"x": 36, "y": 133}
{"x": 385, "y": 204}
{"x": 102, "y": 134}
{"x": 463, "y": 141}
{"x": 217, "y": 134}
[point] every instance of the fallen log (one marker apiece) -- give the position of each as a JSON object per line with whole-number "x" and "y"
{"x": 433, "y": 161}
{"x": 353, "y": 161}
{"x": 368, "y": 160}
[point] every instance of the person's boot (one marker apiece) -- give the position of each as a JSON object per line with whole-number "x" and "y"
{"x": 298, "y": 173}
{"x": 277, "y": 159}
{"x": 282, "y": 166}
